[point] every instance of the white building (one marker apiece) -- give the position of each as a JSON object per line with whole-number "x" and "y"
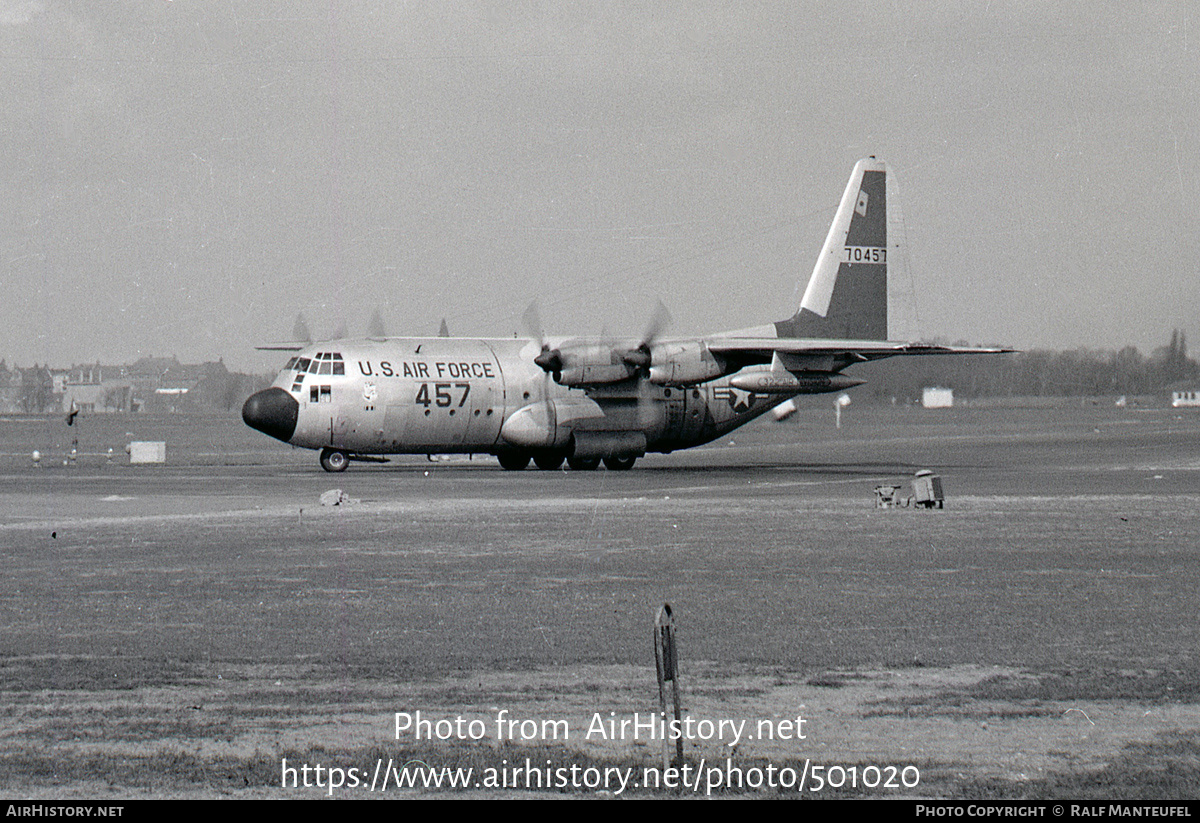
{"x": 1185, "y": 397}
{"x": 934, "y": 397}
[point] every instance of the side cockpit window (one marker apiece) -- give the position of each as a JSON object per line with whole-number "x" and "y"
{"x": 290, "y": 364}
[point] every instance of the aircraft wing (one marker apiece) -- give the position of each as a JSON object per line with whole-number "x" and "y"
{"x": 826, "y": 354}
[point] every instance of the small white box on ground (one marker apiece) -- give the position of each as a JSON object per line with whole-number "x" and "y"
{"x": 148, "y": 451}
{"x": 935, "y": 397}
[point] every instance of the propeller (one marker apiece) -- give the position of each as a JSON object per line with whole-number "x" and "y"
{"x": 639, "y": 358}
{"x": 300, "y": 331}
{"x": 548, "y": 360}
{"x": 636, "y": 360}
{"x": 375, "y": 328}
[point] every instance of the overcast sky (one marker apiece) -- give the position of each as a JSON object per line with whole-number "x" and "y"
{"x": 182, "y": 178}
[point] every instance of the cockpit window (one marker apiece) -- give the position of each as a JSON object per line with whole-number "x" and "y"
{"x": 323, "y": 362}
{"x": 290, "y": 363}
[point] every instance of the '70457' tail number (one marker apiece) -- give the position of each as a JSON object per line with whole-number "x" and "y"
{"x": 865, "y": 254}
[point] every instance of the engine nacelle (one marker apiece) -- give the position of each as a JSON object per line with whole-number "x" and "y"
{"x": 593, "y": 374}
{"x": 579, "y": 366}
{"x": 684, "y": 364}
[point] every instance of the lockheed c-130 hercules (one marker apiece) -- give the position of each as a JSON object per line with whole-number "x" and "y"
{"x": 591, "y": 400}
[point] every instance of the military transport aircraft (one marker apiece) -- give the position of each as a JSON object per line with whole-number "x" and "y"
{"x": 592, "y": 400}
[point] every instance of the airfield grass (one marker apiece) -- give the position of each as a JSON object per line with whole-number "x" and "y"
{"x": 1067, "y": 554}
{"x": 429, "y": 583}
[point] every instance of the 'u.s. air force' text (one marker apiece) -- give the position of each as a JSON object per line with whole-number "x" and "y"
{"x": 424, "y": 368}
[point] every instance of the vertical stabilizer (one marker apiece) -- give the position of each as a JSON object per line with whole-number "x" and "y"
{"x": 847, "y": 295}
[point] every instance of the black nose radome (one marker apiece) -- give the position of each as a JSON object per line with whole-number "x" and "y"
{"x": 272, "y": 411}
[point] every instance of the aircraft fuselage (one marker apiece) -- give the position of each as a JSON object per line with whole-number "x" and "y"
{"x": 460, "y": 395}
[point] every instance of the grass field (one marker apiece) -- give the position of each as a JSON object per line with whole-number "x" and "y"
{"x": 180, "y": 629}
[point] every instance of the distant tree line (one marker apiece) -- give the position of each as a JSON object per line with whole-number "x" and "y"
{"x": 1079, "y": 372}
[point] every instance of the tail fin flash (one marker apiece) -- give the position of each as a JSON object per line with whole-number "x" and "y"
{"x": 847, "y": 295}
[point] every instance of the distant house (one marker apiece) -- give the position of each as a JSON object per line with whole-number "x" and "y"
{"x": 1181, "y": 397}
{"x": 152, "y": 384}
{"x": 161, "y": 384}
{"x": 94, "y": 388}
{"x": 934, "y": 397}
{"x": 10, "y": 389}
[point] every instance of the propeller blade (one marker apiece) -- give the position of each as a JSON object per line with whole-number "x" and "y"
{"x": 550, "y": 360}
{"x": 640, "y": 357}
{"x": 375, "y": 328}
{"x": 532, "y": 320}
{"x": 300, "y": 330}
{"x": 647, "y": 407}
{"x": 659, "y": 321}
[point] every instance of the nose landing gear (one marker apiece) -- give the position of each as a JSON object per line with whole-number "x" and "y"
{"x": 334, "y": 460}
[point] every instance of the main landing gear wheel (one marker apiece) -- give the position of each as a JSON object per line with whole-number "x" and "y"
{"x": 585, "y": 464}
{"x": 548, "y": 462}
{"x": 619, "y": 464}
{"x": 513, "y": 461}
{"x": 333, "y": 460}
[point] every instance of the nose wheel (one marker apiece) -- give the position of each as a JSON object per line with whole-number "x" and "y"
{"x": 333, "y": 460}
